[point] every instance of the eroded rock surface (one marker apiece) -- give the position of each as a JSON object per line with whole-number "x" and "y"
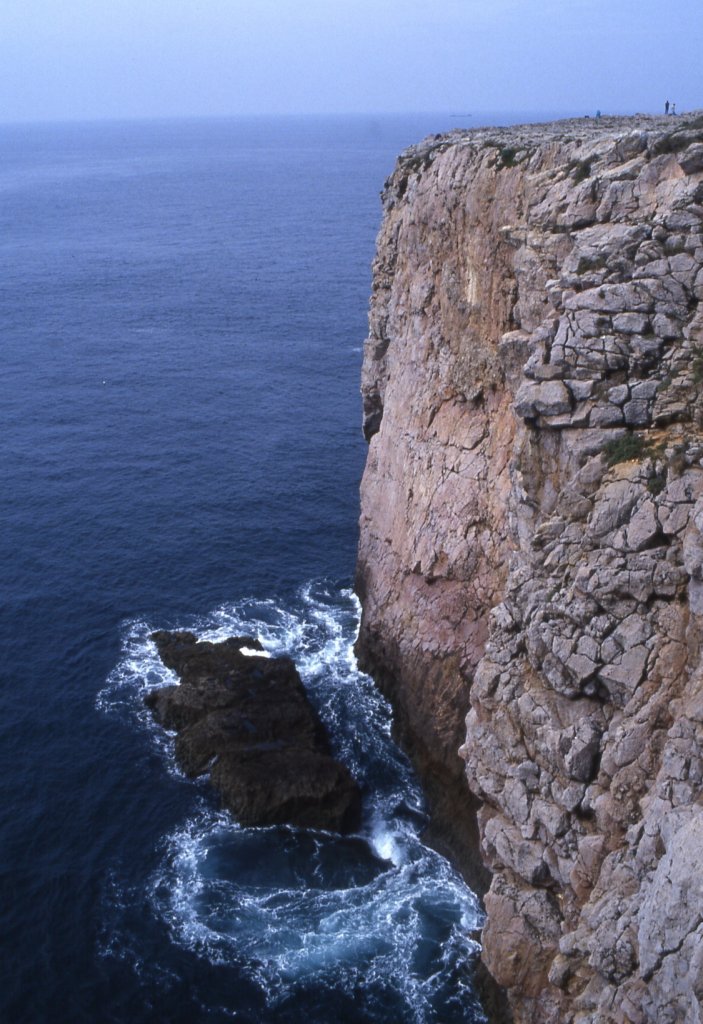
{"x": 246, "y": 720}
{"x": 532, "y": 539}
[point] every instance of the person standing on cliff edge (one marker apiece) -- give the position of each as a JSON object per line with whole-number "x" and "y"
{"x": 666, "y": 107}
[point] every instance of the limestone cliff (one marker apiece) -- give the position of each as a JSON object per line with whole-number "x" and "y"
{"x": 532, "y": 540}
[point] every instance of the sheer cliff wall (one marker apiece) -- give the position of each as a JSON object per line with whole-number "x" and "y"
{"x": 531, "y": 544}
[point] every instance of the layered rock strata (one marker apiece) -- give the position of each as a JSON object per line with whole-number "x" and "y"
{"x": 532, "y": 539}
{"x": 245, "y": 718}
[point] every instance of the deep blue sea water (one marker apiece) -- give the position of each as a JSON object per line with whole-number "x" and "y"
{"x": 183, "y": 307}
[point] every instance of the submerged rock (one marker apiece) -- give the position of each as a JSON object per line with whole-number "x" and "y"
{"x": 246, "y": 719}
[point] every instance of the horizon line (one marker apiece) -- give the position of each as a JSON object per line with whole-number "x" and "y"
{"x": 250, "y": 116}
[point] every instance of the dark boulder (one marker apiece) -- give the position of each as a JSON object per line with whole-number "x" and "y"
{"x": 248, "y": 721}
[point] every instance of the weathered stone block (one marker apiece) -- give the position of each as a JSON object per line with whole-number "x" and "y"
{"x": 548, "y": 398}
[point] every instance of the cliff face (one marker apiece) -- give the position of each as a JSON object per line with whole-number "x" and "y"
{"x": 532, "y": 540}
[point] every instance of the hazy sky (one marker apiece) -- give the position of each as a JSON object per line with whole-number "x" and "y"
{"x": 126, "y": 58}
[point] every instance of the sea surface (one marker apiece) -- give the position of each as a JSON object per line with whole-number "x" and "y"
{"x": 183, "y": 308}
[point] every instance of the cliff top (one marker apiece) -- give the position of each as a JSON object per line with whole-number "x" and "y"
{"x": 659, "y": 133}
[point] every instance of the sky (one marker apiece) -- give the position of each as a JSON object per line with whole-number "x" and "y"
{"x": 94, "y": 59}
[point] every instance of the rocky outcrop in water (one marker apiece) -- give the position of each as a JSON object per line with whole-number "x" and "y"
{"x": 532, "y": 540}
{"x": 246, "y": 719}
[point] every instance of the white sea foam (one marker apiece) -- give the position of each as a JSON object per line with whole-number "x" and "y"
{"x": 291, "y": 934}
{"x": 386, "y": 846}
{"x": 138, "y": 671}
{"x": 297, "y": 908}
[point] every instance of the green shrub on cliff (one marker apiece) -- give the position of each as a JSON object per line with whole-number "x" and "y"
{"x": 631, "y": 446}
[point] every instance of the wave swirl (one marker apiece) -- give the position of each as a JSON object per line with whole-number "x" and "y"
{"x": 376, "y": 923}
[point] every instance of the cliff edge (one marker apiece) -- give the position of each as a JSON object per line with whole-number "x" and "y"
{"x": 531, "y": 544}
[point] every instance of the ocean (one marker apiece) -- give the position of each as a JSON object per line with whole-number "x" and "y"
{"x": 183, "y": 309}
